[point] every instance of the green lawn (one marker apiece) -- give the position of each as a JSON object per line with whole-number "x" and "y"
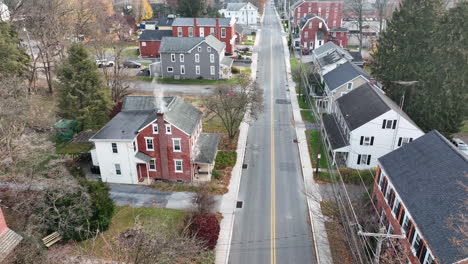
{"x": 308, "y": 115}
{"x": 185, "y": 81}
{"x": 130, "y": 52}
{"x": 294, "y": 62}
{"x": 353, "y": 47}
{"x": 72, "y": 148}
{"x": 302, "y": 102}
{"x": 312, "y": 140}
{"x": 165, "y": 220}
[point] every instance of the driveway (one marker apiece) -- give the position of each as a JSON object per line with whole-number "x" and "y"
{"x": 144, "y": 196}
{"x": 142, "y": 87}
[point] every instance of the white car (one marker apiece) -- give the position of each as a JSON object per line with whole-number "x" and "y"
{"x": 104, "y": 63}
{"x": 460, "y": 145}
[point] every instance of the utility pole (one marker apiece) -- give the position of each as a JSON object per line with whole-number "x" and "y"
{"x": 381, "y": 236}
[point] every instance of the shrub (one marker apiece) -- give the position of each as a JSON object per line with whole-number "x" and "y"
{"x": 225, "y": 159}
{"x": 215, "y": 174}
{"x": 205, "y": 227}
{"x": 352, "y": 176}
{"x": 235, "y": 70}
{"x": 102, "y": 205}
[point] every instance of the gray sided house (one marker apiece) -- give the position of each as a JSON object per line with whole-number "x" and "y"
{"x": 194, "y": 58}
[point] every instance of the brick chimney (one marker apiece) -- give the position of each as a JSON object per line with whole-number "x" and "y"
{"x": 163, "y": 146}
{"x": 217, "y": 29}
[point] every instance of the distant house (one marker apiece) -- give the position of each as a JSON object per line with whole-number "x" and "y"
{"x": 364, "y": 125}
{"x": 340, "y": 81}
{"x": 194, "y": 58}
{"x": 154, "y": 138}
{"x": 150, "y": 42}
{"x": 243, "y": 13}
{"x": 224, "y": 29}
{"x": 165, "y": 23}
{"x": 420, "y": 192}
{"x": 9, "y": 239}
{"x": 331, "y": 11}
{"x": 314, "y": 31}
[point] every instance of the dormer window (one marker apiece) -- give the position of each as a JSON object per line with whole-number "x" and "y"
{"x": 155, "y": 128}
{"x": 350, "y": 85}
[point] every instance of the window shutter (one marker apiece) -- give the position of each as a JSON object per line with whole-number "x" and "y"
{"x": 359, "y": 159}
{"x": 368, "y": 159}
{"x": 399, "y": 141}
{"x": 411, "y": 139}
{"x": 383, "y": 123}
{"x": 394, "y": 124}
{"x": 372, "y": 141}
{"x": 402, "y": 216}
{"x": 362, "y": 140}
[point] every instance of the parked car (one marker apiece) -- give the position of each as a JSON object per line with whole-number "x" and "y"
{"x": 305, "y": 51}
{"x": 131, "y": 64}
{"x": 460, "y": 145}
{"x": 104, "y": 63}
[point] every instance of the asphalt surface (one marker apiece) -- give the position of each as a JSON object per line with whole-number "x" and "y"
{"x": 272, "y": 226}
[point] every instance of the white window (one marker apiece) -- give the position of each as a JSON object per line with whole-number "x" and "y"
{"x": 181, "y": 57}
{"x": 182, "y": 69}
{"x": 336, "y": 9}
{"x": 212, "y": 31}
{"x": 117, "y": 169}
{"x": 176, "y": 146}
{"x": 223, "y": 32}
{"x": 403, "y": 140}
{"x": 202, "y": 32}
{"x": 310, "y": 24}
{"x": 143, "y": 43}
{"x": 173, "y": 57}
{"x": 168, "y": 129}
{"x": 212, "y": 58}
{"x": 152, "y": 165}
{"x": 349, "y": 85}
{"x": 364, "y": 159}
{"x": 208, "y": 49}
{"x": 114, "y": 148}
{"x": 299, "y": 9}
{"x": 197, "y": 69}
{"x": 155, "y": 128}
{"x": 319, "y": 10}
{"x": 212, "y": 70}
{"x": 197, "y": 56}
{"x": 389, "y": 124}
{"x": 190, "y": 31}
{"x": 367, "y": 141}
{"x": 179, "y": 31}
{"x": 149, "y": 144}
{"x": 308, "y": 9}
{"x": 170, "y": 69}
{"x": 178, "y": 165}
{"x": 306, "y": 36}
{"x": 334, "y": 23}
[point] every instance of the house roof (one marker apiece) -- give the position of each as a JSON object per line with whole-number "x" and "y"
{"x": 235, "y": 6}
{"x": 343, "y": 74}
{"x": 165, "y": 21}
{"x": 357, "y": 56}
{"x": 334, "y": 134}
{"x": 143, "y": 156}
{"x": 215, "y": 43}
{"x": 139, "y": 111}
{"x": 330, "y": 58}
{"x": 189, "y": 21}
{"x": 303, "y": 21}
{"x": 176, "y": 44}
{"x": 227, "y": 61}
{"x": 366, "y": 103}
{"x": 154, "y": 35}
{"x": 206, "y": 148}
{"x": 429, "y": 175}
{"x": 324, "y": 49}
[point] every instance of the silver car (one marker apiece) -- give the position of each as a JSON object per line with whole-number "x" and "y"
{"x": 460, "y": 145}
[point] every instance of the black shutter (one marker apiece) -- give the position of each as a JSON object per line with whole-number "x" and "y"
{"x": 383, "y": 123}
{"x": 359, "y": 159}
{"x": 403, "y": 213}
{"x": 372, "y": 141}
{"x": 422, "y": 254}
{"x": 394, "y": 124}
{"x": 399, "y": 141}
{"x": 412, "y": 231}
{"x": 368, "y": 159}
{"x": 362, "y": 140}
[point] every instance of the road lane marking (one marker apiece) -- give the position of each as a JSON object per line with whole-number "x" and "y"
{"x": 272, "y": 159}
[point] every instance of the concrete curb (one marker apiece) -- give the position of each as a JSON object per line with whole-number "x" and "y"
{"x": 228, "y": 202}
{"x": 322, "y": 246}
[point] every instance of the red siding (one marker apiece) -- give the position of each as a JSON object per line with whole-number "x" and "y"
{"x": 311, "y": 32}
{"x": 303, "y": 10}
{"x": 186, "y": 175}
{"x": 151, "y": 50}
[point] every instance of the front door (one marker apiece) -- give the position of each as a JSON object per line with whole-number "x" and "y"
{"x": 142, "y": 172}
{"x": 202, "y": 32}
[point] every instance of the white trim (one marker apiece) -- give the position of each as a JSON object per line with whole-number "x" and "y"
{"x": 173, "y": 144}
{"x": 170, "y": 129}
{"x": 197, "y": 69}
{"x": 115, "y": 169}
{"x": 181, "y": 57}
{"x": 157, "y": 129}
{"x": 182, "y": 69}
{"x": 181, "y": 165}
{"x": 149, "y": 165}
{"x": 146, "y": 143}
{"x": 173, "y": 56}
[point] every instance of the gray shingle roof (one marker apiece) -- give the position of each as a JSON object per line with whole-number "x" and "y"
{"x": 176, "y": 44}
{"x": 343, "y": 74}
{"x": 330, "y": 58}
{"x": 426, "y": 174}
{"x": 154, "y": 35}
{"x": 139, "y": 111}
{"x": 227, "y": 61}
{"x": 165, "y": 21}
{"x": 215, "y": 43}
{"x": 235, "y": 6}
{"x": 334, "y": 133}
{"x": 189, "y": 21}
{"x": 325, "y": 48}
{"x": 206, "y": 148}
{"x": 143, "y": 156}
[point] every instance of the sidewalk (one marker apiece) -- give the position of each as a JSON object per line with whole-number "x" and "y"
{"x": 228, "y": 201}
{"x": 322, "y": 246}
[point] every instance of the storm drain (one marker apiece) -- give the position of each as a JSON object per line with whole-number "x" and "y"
{"x": 244, "y": 166}
{"x": 282, "y": 101}
{"x": 239, "y": 204}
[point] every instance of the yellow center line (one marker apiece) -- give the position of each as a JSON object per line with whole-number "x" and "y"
{"x": 272, "y": 165}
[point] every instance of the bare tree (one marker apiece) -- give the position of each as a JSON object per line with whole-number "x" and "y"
{"x": 232, "y": 102}
{"x": 203, "y": 201}
{"x": 382, "y": 7}
{"x": 458, "y": 222}
{"x": 356, "y": 7}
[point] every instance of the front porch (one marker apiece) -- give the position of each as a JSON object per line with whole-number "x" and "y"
{"x": 202, "y": 173}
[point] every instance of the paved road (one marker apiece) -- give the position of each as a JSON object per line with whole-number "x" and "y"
{"x": 272, "y": 226}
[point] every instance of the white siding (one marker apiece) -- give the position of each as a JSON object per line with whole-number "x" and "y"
{"x": 125, "y": 157}
{"x": 246, "y": 15}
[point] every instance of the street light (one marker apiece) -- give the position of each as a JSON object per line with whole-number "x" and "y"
{"x": 318, "y": 161}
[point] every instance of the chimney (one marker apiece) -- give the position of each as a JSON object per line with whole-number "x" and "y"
{"x": 163, "y": 145}
{"x": 194, "y": 22}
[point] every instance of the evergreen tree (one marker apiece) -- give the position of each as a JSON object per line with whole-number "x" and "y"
{"x": 190, "y": 8}
{"x": 83, "y": 95}
{"x": 13, "y": 58}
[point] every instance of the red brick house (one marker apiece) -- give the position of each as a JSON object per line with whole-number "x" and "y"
{"x": 331, "y": 11}
{"x": 154, "y": 139}
{"x": 223, "y": 29}
{"x": 419, "y": 190}
{"x": 150, "y": 41}
{"x": 9, "y": 239}
{"x": 314, "y": 31}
